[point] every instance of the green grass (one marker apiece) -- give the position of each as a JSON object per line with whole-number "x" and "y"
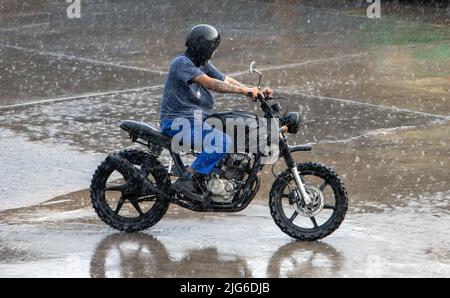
{"x": 389, "y": 33}
{"x": 439, "y": 52}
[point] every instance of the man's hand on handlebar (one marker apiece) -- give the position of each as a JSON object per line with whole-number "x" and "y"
{"x": 254, "y": 93}
{"x": 268, "y": 93}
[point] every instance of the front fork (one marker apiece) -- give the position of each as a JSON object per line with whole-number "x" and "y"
{"x": 293, "y": 168}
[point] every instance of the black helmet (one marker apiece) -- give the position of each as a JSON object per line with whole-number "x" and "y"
{"x": 201, "y": 42}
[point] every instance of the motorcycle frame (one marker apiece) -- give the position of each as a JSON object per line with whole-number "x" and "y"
{"x": 251, "y": 187}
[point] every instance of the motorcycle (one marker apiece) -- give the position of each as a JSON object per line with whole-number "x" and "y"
{"x": 131, "y": 189}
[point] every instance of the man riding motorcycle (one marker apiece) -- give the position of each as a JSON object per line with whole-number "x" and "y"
{"x": 187, "y": 89}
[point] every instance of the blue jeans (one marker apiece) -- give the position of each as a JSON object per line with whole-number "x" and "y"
{"x": 210, "y": 156}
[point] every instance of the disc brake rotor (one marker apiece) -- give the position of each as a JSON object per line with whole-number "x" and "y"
{"x": 316, "y": 205}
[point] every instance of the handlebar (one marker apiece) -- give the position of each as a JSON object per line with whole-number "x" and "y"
{"x": 265, "y": 106}
{"x": 259, "y": 97}
{"x": 249, "y": 94}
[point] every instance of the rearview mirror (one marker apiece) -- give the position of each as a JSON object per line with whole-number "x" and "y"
{"x": 252, "y": 70}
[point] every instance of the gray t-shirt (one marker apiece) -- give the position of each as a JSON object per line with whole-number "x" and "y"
{"x": 181, "y": 96}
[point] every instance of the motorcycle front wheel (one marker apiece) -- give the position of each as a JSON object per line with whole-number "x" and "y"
{"x": 318, "y": 219}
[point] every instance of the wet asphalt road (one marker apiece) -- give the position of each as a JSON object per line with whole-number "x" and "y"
{"x": 374, "y": 94}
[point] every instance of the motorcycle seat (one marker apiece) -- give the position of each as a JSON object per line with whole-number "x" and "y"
{"x": 145, "y": 132}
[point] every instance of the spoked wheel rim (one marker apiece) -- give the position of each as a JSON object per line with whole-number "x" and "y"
{"x": 316, "y": 215}
{"x": 121, "y": 198}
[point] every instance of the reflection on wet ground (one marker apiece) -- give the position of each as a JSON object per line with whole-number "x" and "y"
{"x": 374, "y": 96}
{"x": 155, "y": 261}
{"x": 187, "y": 244}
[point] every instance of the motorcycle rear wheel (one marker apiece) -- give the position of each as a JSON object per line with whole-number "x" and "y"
{"x": 124, "y": 212}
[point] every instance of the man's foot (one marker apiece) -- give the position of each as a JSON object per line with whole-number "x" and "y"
{"x": 186, "y": 185}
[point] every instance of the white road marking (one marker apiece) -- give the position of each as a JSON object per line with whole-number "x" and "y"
{"x": 367, "y": 134}
{"x": 21, "y": 27}
{"x": 321, "y": 60}
{"x": 348, "y": 101}
{"x": 89, "y": 60}
{"x": 297, "y": 64}
{"x": 274, "y": 67}
{"x": 80, "y": 96}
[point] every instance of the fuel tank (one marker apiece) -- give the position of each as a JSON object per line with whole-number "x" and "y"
{"x": 233, "y": 115}
{"x": 246, "y": 127}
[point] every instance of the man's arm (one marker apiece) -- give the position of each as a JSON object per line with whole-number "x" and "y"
{"x": 226, "y": 87}
{"x": 231, "y": 81}
{"x": 266, "y": 91}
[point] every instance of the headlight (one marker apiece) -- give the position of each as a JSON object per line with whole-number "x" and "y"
{"x": 292, "y": 121}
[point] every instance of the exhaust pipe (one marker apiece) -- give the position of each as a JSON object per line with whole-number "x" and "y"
{"x": 138, "y": 181}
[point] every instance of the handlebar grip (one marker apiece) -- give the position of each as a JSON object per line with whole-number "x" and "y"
{"x": 258, "y": 96}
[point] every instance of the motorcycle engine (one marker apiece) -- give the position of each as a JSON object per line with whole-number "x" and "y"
{"x": 227, "y": 179}
{"x": 222, "y": 190}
